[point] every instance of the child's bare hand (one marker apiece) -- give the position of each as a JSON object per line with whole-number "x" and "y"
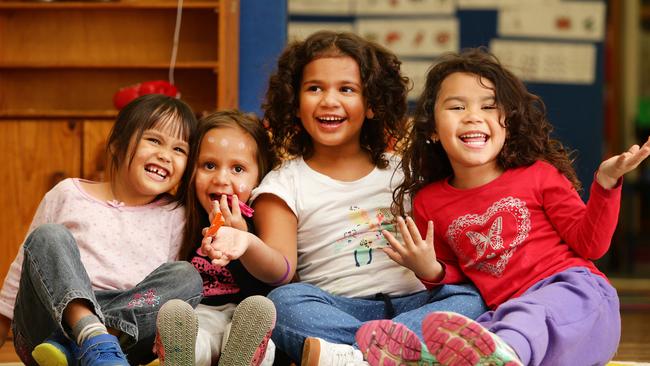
{"x": 228, "y": 244}
{"x": 416, "y": 254}
{"x": 615, "y": 167}
{"x": 232, "y": 216}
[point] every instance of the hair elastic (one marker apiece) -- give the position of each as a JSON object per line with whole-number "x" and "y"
{"x": 286, "y": 274}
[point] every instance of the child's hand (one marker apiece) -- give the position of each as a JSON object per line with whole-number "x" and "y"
{"x": 232, "y": 216}
{"x": 613, "y": 168}
{"x": 415, "y": 254}
{"x": 227, "y": 245}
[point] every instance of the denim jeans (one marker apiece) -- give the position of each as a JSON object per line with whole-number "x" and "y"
{"x": 304, "y": 310}
{"x": 53, "y": 275}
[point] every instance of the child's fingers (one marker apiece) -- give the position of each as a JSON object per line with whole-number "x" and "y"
{"x": 413, "y": 230}
{"x": 407, "y": 235}
{"x": 236, "y": 210}
{"x": 394, "y": 243}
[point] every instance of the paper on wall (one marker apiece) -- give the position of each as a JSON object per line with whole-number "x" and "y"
{"x": 404, "y": 7}
{"x": 417, "y": 72}
{"x": 583, "y": 20}
{"x": 320, "y": 7}
{"x": 548, "y": 62}
{"x": 412, "y": 37}
{"x": 301, "y": 30}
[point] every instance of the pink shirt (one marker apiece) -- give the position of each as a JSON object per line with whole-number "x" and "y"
{"x": 119, "y": 245}
{"x": 520, "y": 228}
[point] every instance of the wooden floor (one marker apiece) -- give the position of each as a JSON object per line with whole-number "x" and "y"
{"x": 635, "y": 339}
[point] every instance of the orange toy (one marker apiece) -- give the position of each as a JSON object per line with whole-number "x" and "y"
{"x": 216, "y": 223}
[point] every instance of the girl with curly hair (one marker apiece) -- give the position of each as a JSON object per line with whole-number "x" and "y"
{"x": 334, "y": 104}
{"x": 495, "y": 201}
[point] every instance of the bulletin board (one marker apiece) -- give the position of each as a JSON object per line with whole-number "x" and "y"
{"x": 555, "y": 46}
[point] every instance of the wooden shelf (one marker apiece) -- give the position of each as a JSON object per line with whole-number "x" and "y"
{"x": 210, "y": 65}
{"x": 57, "y": 114}
{"x": 108, "y": 5}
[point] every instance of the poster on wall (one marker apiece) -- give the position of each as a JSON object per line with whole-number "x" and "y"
{"x": 584, "y": 20}
{"x": 498, "y": 4}
{"x": 412, "y": 37}
{"x": 320, "y": 7}
{"x": 297, "y": 31}
{"x": 404, "y": 7}
{"x": 548, "y": 62}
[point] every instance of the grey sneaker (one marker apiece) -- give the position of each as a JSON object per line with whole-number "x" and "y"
{"x": 176, "y": 331}
{"x": 317, "y": 352}
{"x": 250, "y": 331}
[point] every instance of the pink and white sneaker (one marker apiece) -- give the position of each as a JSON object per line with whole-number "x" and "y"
{"x": 456, "y": 340}
{"x": 387, "y": 343}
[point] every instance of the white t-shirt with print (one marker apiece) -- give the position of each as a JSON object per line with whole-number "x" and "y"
{"x": 339, "y": 229}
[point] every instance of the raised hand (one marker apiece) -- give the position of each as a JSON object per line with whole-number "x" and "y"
{"x": 415, "y": 253}
{"x": 613, "y": 168}
{"x": 232, "y": 216}
{"x": 228, "y": 244}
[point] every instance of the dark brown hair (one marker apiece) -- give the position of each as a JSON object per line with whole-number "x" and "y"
{"x": 384, "y": 89}
{"x": 195, "y": 215}
{"x": 528, "y": 132}
{"x": 151, "y": 111}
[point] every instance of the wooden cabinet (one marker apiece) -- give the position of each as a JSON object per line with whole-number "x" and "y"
{"x": 62, "y": 62}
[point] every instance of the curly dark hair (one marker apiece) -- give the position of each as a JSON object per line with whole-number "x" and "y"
{"x": 195, "y": 216}
{"x": 528, "y": 132}
{"x": 384, "y": 88}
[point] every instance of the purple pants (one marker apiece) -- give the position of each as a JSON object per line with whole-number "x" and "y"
{"x": 570, "y": 318}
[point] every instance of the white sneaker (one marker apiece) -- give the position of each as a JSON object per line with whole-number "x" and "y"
{"x": 317, "y": 352}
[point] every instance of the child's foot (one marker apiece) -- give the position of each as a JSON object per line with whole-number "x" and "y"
{"x": 56, "y": 350}
{"x": 459, "y": 341}
{"x": 177, "y": 327}
{"x": 101, "y": 350}
{"x": 250, "y": 331}
{"x": 386, "y": 343}
{"x": 317, "y": 352}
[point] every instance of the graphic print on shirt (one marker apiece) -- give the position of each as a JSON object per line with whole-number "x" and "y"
{"x": 487, "y": 241}
{"x": 217, "y": 280}
{"x": 365, "y": 234}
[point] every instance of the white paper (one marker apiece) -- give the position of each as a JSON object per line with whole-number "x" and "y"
{"x": 298, "y": 31}
{"x": 548, "y": 62}
{"x": 583, "y": 20}
{"x": 404, "y": 7}
{"x": 417, "y": 72}
{"x": 498, "y": 4}
{"x": 320, "y": 7}
{"x": 412, "y": 37}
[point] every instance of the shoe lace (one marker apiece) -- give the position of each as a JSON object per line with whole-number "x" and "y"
{"x": 105, "y": 351}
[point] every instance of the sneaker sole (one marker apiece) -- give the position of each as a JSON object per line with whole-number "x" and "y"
{"x": 46, "y": 354}
{"x": 459, "y": 341}
{"x": 177, "y": 328}
{"x": 252, "y": 321}
{"x": 386, "y": 343}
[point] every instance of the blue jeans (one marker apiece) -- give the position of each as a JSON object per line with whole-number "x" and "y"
{"x": 53, "y": 275}
{"x": 304, "y": 310}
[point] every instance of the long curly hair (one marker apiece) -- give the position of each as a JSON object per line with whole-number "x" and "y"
{"x": 384, "y": 89}
{"x": 195, "y": 216}
{"x": 528, "y": 132}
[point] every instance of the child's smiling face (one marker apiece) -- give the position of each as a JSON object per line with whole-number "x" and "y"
{"x": 226, "y": 164}
{"x": 332, "y": 105}
{"x": 469, "y": 123}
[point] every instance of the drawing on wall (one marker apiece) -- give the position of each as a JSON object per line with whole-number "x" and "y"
{"x": 548, "y": 62}
{"x": 583, "y": 20}
{"x": 404, "y": 7}
{"x": 408, "y": 37}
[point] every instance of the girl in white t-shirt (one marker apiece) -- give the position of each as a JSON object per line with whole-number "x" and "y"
{"x": 100, "y": 257}
{"x": 334, "y": 105}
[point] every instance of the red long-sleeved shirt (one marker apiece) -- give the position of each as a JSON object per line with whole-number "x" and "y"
{"x": 516, "y": 230}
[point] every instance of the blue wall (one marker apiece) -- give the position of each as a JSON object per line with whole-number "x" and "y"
{"x": 263, "y": 35}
